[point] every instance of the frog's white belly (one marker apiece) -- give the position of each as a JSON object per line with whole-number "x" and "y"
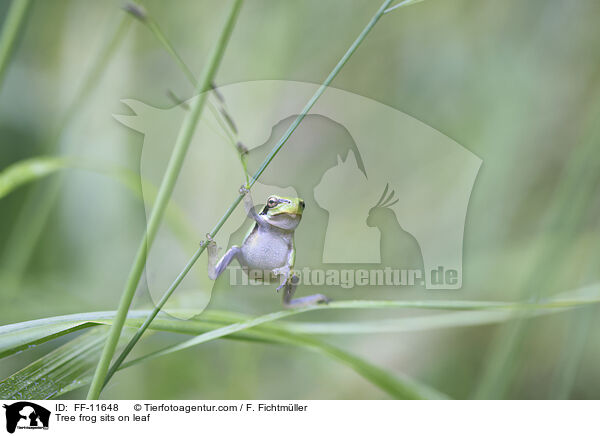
{"x": 265, "y": 250}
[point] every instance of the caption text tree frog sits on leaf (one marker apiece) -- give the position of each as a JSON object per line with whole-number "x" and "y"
{"x": 268, "y": 246}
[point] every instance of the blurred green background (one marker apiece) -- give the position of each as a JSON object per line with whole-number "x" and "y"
{"x": 517, "y": 83}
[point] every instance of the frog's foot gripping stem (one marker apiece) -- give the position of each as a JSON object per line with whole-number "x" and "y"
{"x": 290, "y": 288}
{"x": 216, "y": 268}
{"x": 209, "y": 241}
{"x": 249, "y": 204}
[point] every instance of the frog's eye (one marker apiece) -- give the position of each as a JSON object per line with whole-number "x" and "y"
{"x": 272, "y": 202}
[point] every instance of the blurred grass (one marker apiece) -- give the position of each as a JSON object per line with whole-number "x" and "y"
{"x": 34, "y": 169}
{"x": 10, "y": 32}
{"x": 40, "y": 200}
{"x": 577, "y": 187}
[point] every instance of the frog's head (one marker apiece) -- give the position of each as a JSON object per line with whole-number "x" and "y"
{"x": 283, "y": 212}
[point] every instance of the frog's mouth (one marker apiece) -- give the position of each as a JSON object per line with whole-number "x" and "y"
{"x": 297, "y": 213}
{"x": 285, "y": 220}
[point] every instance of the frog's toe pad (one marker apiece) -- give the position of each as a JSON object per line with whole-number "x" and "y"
{"x": 322, "y": 299}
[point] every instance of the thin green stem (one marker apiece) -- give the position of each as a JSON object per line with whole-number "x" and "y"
{"x": 320, "y": 91}
{"x": 10, "y": 30}
{"x": 158, "y": 33}
{"x": 142, "y": 329}
{"x": 238, "y": 199}
{"x": 400, "y": 5}
{"x": 166, "y": 189}
{"x": 230, "y": 132}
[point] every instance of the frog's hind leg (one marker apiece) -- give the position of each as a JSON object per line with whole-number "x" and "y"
{"x": 216, "y": 268}
{"x": 288, "y": 293}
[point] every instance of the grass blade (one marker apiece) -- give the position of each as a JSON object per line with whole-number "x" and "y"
{"x": 164, "y": 194}
{"x": 23, "y": 335}
{"x": 398, "y": 386}
{"x": 58, "y": 372}
{"x": 26, "y": 171}
{"x": 10, "y": 30}
{"x": 68, "y": 367}
{"x": 20, "y": 336}
{"x": 46, "y": 378}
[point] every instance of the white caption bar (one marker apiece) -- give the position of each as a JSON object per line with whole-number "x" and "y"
{"x": 297, "y": 417}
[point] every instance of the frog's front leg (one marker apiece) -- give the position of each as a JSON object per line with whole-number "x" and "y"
{"x": 216, "y": 268}
{"x": 249, "y": 206}
{"x": 290, "y": 288}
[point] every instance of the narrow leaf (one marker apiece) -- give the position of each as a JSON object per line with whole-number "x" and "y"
{"x": 22, "y": 172}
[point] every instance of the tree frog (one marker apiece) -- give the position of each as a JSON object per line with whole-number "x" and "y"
{"x": 268, "y": 246}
